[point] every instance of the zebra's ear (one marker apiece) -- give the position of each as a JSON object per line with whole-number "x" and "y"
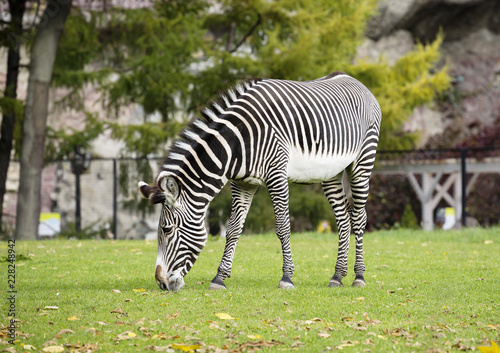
{"x": 169, "y": 185}
{"x": 152, "y": 193}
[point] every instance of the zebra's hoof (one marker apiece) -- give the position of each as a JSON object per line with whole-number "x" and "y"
{"x": 286, "y": 285}
{"x": 335, "y": 283}
{"x": 359, "y": 282}
{"x": 217, "y": 284}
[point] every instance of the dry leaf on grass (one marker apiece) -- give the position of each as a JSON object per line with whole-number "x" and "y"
{"x": 400, "y": 332}
{"x": 62, "y": 332}
{"x": 51, "y": 307}
{"x": 493, "y": 349}
{"x": 117, "y": 311}
{"x": 254, "y": 337}
{"x": 28, "y": 347}
{"x": 171, "y": 317}
{"x": 184, "y": 348}
{"x": 252, "y": 345}
{"x": 53, "y": 349}
{"x": 50, "y": 343}
{"x": 164, "y": 336}
{"x": 116, "y": 290}
{"x": 127, "y": 335}
{"x": 9, "y": 350}
{"x": 73, "y": 318}
{"x": 224, "y": 316}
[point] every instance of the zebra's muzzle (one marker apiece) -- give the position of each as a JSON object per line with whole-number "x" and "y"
{"x": 175, "y": 282}
{"x": 172, "y": 282}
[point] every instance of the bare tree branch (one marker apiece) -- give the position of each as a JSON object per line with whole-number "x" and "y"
{"x": 248, "y": 34}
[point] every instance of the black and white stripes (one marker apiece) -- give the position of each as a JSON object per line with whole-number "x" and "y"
{"x": 267, "y": 132}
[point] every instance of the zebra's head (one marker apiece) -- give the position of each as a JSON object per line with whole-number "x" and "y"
{"x": 181, "y": 231}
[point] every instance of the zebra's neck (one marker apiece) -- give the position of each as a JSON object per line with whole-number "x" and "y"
{"x": 202, "y": 156}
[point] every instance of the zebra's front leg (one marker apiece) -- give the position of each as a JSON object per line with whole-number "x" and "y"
{"x": 278, "y": 190}
{"x": 242, "y": 195}
{"x": 334, "y": 192}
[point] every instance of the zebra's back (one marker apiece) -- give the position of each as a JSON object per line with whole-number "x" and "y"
{"x": 318, "y": 127}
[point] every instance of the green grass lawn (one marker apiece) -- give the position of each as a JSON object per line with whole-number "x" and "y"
{"x": 426, "y": 292}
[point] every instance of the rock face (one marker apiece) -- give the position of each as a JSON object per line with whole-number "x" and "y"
{"x": 471, "y": 50}
{"x": 424, "y": 18}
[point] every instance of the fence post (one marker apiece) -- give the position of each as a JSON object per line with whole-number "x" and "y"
{"x": 78, "y": 213}
{"x": 463, "y": 156}
{"x": 115, "y": 198}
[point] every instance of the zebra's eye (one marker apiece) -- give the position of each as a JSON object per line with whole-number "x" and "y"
{"x": 168, "y": 230}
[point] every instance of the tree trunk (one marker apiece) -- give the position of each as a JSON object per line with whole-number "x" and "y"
{"x": 43, "y": 55}
{"x": 16, "y": 8}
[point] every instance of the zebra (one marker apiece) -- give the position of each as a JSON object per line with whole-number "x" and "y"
{"x": 267, "y": 132}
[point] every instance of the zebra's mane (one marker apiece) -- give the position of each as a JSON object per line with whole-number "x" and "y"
{"x": 225, "y": 99}
{"x": 198, "y": 125}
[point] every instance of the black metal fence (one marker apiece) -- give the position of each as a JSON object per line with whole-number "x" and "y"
{"x": 103, "y": 199}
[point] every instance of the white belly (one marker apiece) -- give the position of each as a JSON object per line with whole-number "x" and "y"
{"x": 304, "y": 168}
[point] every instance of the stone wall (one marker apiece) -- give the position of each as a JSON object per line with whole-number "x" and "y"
{"x": 471, "y": 50}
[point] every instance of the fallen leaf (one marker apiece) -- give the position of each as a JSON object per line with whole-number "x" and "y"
{"x": 297, "y": 344}
{"x": 51, "y": 307}
{"x": 224, "y": 316}
{"x": 53, "y": 349}
{"x": 359, "y": 328}
{"x": 9, "y": 350}
{"x": 254, "y": 337}
{"x": 367, "y": 342}
{"x": 117, "y": 311}
{"x": 184, "y": 348}
{"x": 64, "y": 331}
{"x": 73, "y": 318}
{"x": 257, "y": 344}
{"x": 94, "y": 331}
{"x": 493, "y": 349}
{"x": 116, "y": 290}
{"x": 323, "y": 335}
{"x": 139, "y": 290}
{"x": 127, "y": 335}
{"x": 50, "y": 343}
{"x": 171, "y": 317}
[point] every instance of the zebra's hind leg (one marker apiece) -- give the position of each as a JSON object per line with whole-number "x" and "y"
{"x": 242, "y": 195}
{"x": 278, "y": 190}
{"x": 359, "y": 187}
{"x": 334, "y": 192}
